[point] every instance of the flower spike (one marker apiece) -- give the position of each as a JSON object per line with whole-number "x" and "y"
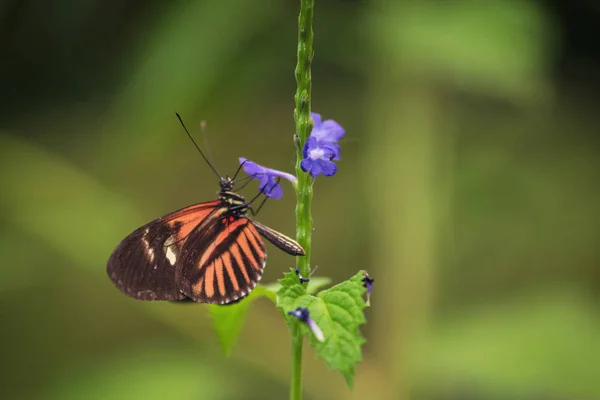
{"x": 301, "y": 313}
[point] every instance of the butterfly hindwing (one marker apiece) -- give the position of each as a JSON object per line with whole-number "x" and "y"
{"x": 222, "y": 260}
{"x": 143, "y": 265}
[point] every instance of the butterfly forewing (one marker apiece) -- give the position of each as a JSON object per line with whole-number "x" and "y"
{"x": 143, "y": 265}
{"x": 222, "y": 260}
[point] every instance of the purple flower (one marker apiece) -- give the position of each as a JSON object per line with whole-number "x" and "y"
{"x": 317, "y": 158}
{"x": 321, "y": 148}
{"x": 328, "y": 131}
{"x": 268, "y": 178}
{"x": 368, "y": 284}
{"x": 302, "y": 314}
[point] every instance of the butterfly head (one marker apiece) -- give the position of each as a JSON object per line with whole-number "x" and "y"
{"x": 226, "y": 184}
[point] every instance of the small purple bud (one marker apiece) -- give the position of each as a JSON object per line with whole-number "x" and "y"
{"x": 368, "y": 284}
{"x": 302, "y": 314}
{"x": 300, "y": 277}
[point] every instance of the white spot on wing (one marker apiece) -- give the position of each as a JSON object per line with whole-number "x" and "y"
{"x": 171, "y": 256}
{"x": 170, "y": 252}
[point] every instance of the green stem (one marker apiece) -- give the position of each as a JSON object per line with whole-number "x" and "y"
{"x": 303, "y": 129}
{"x": 296, "y": 384}
{"x": 304, "y": 191}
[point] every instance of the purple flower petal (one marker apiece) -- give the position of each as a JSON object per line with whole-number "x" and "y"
{"x": 306, "y": 164}
{"x": 329, "y": 131}
{"x": 368, "y": 284}
{"x": 315, "y": 169}
{"x": 333, "y": 148}
{"x": 270, "y": 187}
{"x": 327, "y": 168}
{"x": 267, "y": 176}
{"x": 310, "y": 144}
{"x": 251, "y": 168}
{"x": 316, "y": 120}
{"x": 315, "y": 330}
{"x": 303, "y": 315}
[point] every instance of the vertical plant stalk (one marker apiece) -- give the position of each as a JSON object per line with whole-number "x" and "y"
{"x": 304, "y": 191}
{"x": 303, "y": 129}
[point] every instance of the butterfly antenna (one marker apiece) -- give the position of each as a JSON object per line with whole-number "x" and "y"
{"x": 203, "y": 131}
{"x": 197, "y": 147}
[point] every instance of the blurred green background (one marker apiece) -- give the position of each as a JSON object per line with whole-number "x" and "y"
{"x": 468, "y": 188}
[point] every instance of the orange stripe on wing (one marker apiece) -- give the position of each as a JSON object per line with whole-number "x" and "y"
{"x": 191, "y": 216}
{"x": 255, "y": 234}
{"x": 220, "y": 238}
{"x": 209, "y": 287}
{"x": 206, "y": 255}
{"x": 229, "y": 267}
{"x": 219, "y": 272}
{"x": 245, "y": 248}
{"x": 235, "y": 250}
{"x": 197, "y": 287}
{"x": 251, "y": 233}
{"x": 231, "y": 226}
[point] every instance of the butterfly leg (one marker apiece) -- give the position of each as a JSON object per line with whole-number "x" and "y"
{"x": 254, "y": 213}
{"x": 238, "y": 170}
{"x": 248, "y": 179}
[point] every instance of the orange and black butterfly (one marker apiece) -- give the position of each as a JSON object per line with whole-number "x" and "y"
{"x": 209, "y": 252}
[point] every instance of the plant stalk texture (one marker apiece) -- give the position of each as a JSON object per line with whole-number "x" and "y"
{"x": 305, "y": 191}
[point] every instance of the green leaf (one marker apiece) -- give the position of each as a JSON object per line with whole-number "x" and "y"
{"x": 294, "y": 288}
{"x": 316, "y": 283}
{"x": 228, "y": 320}
{"x": 338, "y": 311}
{"x": 291, "y": 289}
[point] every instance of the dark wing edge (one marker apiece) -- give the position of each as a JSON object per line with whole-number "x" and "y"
{"x": 279, "y": 240}
{"x": 142, "y": 266}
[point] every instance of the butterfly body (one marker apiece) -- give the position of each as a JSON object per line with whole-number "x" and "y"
{"x": 209, "y": 252}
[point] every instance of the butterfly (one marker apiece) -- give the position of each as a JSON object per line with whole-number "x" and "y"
{"x": 209, "y": 252}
